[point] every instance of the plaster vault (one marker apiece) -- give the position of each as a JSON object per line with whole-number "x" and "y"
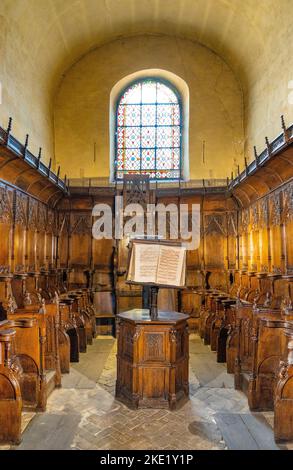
{"x": 40, "y": 41}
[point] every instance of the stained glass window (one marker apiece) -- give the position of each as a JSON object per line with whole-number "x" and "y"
{"x": 148, "y": 131}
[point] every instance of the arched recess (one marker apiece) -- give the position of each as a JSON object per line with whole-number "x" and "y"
{"x": 182, "y": 88}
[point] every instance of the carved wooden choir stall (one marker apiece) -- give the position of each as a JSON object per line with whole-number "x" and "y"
{"x": 239, "y": 288}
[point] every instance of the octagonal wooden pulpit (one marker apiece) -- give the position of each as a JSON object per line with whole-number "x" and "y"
{"x": 152, "y": 358}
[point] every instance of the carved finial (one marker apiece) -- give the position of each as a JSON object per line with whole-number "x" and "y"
{"x": 268, "y": 145}
{"x": 27, "y": 299}
{"x": 283, "y": 123}
{"x": 238, "y": 170}
{"x": 227, "y": 181}
{"x": 25, "y": 144}
{"x": 232, "y": 176}
{"x": 285, "y": 132}
{"x": 65, "y": 179}
{"x": 58, "y": 171}
{"x": 255, "y": 155}
{"x": 8, "y": 130}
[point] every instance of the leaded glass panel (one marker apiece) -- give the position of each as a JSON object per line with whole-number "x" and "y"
{"x": 148, "y": 133}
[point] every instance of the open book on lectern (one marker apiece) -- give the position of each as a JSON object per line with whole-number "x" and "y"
{"x": 157, "y": 263}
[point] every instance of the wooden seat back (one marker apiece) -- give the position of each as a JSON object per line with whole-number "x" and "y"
{"x": 10, "y": 393}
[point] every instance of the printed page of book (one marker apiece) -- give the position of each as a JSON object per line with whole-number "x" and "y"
{"x": 171, "y": 266}
{"x": 146, "y": 258}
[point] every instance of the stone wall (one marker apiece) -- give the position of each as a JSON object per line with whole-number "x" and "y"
{"x": 215, "y": 108}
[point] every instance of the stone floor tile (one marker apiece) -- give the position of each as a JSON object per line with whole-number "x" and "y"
{"x": 105, "y": 423}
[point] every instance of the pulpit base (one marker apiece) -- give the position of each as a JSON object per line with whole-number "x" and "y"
{"x": 152, "y": 359}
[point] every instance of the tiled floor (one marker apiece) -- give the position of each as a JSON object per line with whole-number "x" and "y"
{"x": 85, "y": 415}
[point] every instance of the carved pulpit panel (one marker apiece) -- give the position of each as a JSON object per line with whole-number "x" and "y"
{"x": 154, "y": 347}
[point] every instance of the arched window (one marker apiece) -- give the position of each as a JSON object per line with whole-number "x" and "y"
{"x": 148, "y": 131}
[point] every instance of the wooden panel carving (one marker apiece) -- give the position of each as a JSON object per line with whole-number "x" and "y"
{"x": 214, "y": 224}
{"x": 81, "y": 224}
{"x": 254, "y": 217}
{"x": 42, "y": 218}
{"x": 51, "y": 222}
{"x": 6, "y": 212}
{"x": 33, "y": 214}
{"x": 154, "y": 347}
{"x": 21, "y": 209}
{"x": 263, "y": 213}
{"x": 288, "y": 202}
{"x": 275, "y": 208}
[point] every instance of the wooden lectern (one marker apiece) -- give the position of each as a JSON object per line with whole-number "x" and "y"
{"x": 153, "y": 352}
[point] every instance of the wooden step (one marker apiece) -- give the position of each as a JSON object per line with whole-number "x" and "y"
{"x": 105, "y": 324}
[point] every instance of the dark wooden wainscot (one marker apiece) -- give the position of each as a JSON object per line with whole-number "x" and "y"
{"x": 152, "y": 359}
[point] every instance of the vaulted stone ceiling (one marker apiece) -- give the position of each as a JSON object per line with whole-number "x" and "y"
{"x": 53, "y": 34}
{"x": 41, "y": 39}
